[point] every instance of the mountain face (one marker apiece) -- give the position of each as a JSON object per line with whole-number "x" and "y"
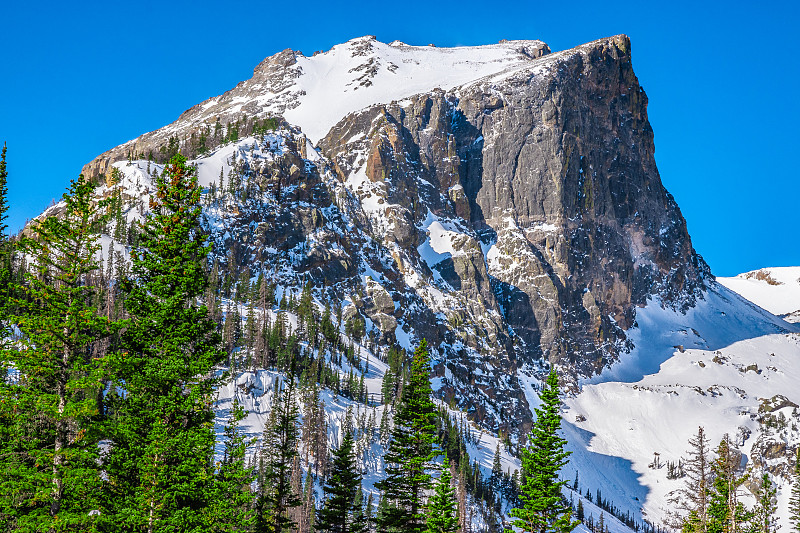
{"x": 501, "y": 201}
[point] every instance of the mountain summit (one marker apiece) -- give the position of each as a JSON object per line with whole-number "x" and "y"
{"x": 501, "y": 201}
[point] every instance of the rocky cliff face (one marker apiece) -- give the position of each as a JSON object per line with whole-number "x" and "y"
{"x": 510, "y": 210}
{"x": 549, "y": 171}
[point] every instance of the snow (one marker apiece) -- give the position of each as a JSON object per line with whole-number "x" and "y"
{"x": 780, "y": 299}
{"x": 341, "y": 81}
{"x": 687, "y": 370}
{"x": 720, "y": 319}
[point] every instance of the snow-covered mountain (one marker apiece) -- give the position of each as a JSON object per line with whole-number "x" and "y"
{"x": 502, "y": 202}
{"x": 775, "y": 289}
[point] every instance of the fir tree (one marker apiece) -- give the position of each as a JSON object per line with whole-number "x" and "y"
{"x": 543, "y": 509}
{"x": 497, "y": 470}
{"x": 410, "y": 452}
{"x": 160, "y": 465}
{"x": 763, "y": 518}
{"x": 794, "y": 500}
{"x": 693, "y": 498}
{"x": 9, "y": 440}
{"x": 338, "y": 513}
{"x": 276, "y": 497}
{"x": 50, "y": 466}
{"x": 232, "y": 499}
{"x": 442, "y": 507}
{"x": 725, "y": 512}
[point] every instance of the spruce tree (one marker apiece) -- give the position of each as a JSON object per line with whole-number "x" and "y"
{"x": 763, "y": 518}
{"x": 8, "y": 441}
{"x": 794, "y": 500}
{"x": 160, "y": 466}
{"x": 442, "y": 507}
{"x": 725, "y": 512}
{"x": 543, "y": 509}
{"x": 693, "y": 498}
{"x": 279, "y": 448}
{"x": 411, "y": 452}
{"x": 339, "y": 510}
{"x": 232, "y": 508}
{"x": 50, "y": 465}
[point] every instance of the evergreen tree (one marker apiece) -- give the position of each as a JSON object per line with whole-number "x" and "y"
{"x": 5, "y": 244}
{"x": 279, "y": 448}
{"x": 794, "y": 500}
{"x": 763, "y": 518}
{"x": 7, "y": 385}
{"x": 725, "y": 512}
{"x": 50, "y": 462}
{"x": 410, "y": 452}
{"x": 160, "y": 465}
{"x": 442, "y": 507}
{"x": 497, "y": 470}
{"x": 693, "y": 498}
{"x": 543, "y": 509}
{"x": 232, "y": 499}
{"x": 338, "y": 513}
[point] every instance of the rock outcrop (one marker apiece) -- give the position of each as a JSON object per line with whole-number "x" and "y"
{"x": 514, "y": 217}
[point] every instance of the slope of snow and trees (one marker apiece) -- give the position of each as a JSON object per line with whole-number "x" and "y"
{"x": 367, "y": 343}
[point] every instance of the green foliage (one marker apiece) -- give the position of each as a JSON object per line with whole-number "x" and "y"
{"x": 543, "y": 509}
{"x": 763, "y": 519}
{"x": 442, "y": 507}
{"x": 49, "y": 457}
{"x": 725, "y": 513}
{"x": 338, "y": 515}
{"x": 231, "y": 502}
{"x": 3, "y": 196}
{"x": 794, "y": 500}
{"x": 411, "y": 452}
{"x": 279, "y": 450}
{"x": 160, "y": 465}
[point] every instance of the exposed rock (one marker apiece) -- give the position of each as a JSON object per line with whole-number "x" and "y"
{"x": 514, "y": 221}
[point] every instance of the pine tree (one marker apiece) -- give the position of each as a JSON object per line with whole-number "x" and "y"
{"x": 8, "y": 441}
{"x": 693, "y": 498}
{"x": 279, "y": 449}
{"x": 794, "y": 500}
{"x": 763, "y": 518}
{"x": 232, "y": 499}
{"x": 497, "y": 470}
{"x": 51, "y": 474}
{"x": 725, "y": 512}
{"x": 338, "y": 513}
{"x": 5, "y": 244}
{"x": 160, "y": 465}
{"x": 543, "y": 509}
{"x": 442, "y": 507}
{"x": 410, "y": 452}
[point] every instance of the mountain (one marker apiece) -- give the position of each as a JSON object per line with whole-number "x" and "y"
{"x": 504, "y": 203}
{"x": 501, "y": 201}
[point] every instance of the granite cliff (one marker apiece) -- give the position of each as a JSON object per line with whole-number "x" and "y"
{"x": 501, "y": 201}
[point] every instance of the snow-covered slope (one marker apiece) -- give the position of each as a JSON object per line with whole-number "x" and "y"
{"x": 316, "y": 92}
{"x": 363, "y": 72}
{"x": 775, "y": 289}
{"x": 723, "y": 365}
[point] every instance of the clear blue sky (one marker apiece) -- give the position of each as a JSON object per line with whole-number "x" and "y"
{"x": 79, "y": 78}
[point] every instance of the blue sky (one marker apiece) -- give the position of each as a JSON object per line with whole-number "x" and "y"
{"x": 79, "y": 78}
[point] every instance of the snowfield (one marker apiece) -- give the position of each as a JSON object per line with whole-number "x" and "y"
{"x": 717, "y": 366}
{"x": 775, "y": 289}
